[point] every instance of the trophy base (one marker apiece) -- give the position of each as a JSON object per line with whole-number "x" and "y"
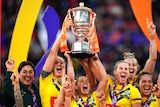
{"x": 81, "y": 54}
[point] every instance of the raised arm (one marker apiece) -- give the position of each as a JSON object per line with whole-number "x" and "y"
{"x": 97, "y": 68}
{"x": 70, "y": 68}
{"x": 66, "y": 92}
{"x": 151, "y": 62}
{"x": 55, "y": 47}
{"x": 17, "y": 93}
{"x": 8, "y": 91}
{"x": 69, "y": 83}
{"x": 60, "y": 98}
{"x": 69, "y": 92}
{"x": 89, "y": 73}
{"x": 100, "y": 73}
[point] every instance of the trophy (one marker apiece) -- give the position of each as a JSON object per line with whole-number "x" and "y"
{"x": 83, "y": 23}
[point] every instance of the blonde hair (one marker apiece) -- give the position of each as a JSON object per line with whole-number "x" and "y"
{"x": 131, "y": 55}
{"x": 128, "y": 55}
{"x": 117, "y": 63}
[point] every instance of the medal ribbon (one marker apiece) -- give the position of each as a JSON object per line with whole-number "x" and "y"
{"x": 114, "y": 95}
{"x": 85, "y": 104}
{"x": 148, "y": 101}
{"x": 34, "y": 98}
{"x": 145, "y": 104}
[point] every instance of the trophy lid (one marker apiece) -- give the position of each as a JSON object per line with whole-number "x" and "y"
{"x": 81, "y": 4}
{"x": 82, "y": 7}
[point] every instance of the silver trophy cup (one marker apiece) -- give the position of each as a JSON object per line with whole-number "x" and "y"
{"x": 83, "y": 22}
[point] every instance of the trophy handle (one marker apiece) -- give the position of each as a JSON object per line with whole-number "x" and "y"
{"x": 69, "y": 13}
{"x": 92, "y": 18}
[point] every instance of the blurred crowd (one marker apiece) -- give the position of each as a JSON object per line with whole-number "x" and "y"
{"x": 117, "y": 30}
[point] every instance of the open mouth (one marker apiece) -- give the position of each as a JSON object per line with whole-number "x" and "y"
{"x": 147, "y": 88}
{"x": 131, "y": 71}
{"x": 59, "y": 69}
{"x": 123, "y": 75}
{"x": 27, "y": 78}
{"x": 85, "y": 87}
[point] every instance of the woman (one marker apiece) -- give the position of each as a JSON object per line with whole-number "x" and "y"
{"x": 52, "y": 71}
{"x": 145, "y": 85}
{"x": 29, "y": 91}
{"x": 150, "y": 63}
{"x": 119, "y": 93}
{"x": 84, "y": 95}
{"x": 87, "y": 98}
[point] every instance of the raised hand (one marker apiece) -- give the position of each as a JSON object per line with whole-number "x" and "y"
{"x": 68, "y": 86}
{"x": 66, "y": 54}
{"x": 156, "y": 88}
{"x": 151, "y": 28}
{"x": 15, "y": 78}
{"x": 63, "y": 36}
{"x": 101, "y": 96}
{"x": 10, "y": 64}
{"x": 67, "y": 23}
{"x": 83, "y": 61}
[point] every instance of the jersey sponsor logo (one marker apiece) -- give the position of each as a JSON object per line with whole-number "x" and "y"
{"x": 110, "y": 105}
{"x": 53, "y": 101}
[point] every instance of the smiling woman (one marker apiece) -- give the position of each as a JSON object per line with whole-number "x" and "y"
{"x": 54, "y": 67}
{"x": 119, "y": 92}
{"x": 28, "y": 91}
{"x": 145, "y": 85}
{"x": 151, "y": 61}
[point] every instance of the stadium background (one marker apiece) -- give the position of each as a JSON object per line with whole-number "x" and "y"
{"x": 117, "y": 31}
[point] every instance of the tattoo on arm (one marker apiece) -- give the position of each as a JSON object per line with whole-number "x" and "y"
{"x": 17, "y": 96}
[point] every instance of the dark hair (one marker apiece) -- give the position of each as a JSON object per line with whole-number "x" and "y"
{"x": 24, "y": 63}
{"x": 141, "y": 74}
